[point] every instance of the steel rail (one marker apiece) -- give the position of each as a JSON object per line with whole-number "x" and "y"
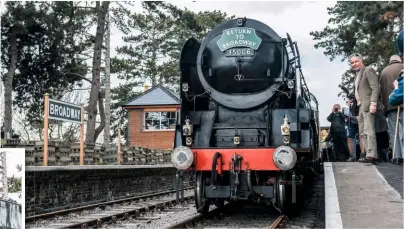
{"x": 197, "y": 218}
{"x": 98, "y": 222}
{"x": 279, "y": 222}
{"x": 52, "y": 214}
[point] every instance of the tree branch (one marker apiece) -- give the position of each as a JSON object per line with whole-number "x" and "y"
{"x": 81, "y": 89}
{"x": 86, "y": 7}
{"x": 78, "y": 75}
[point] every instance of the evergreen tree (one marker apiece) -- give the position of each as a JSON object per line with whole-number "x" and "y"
{"x": 14, "y": 184}
{"x": 51, "y": 40}
{"x": 97, "y": 94}
{"x": 152, "y": 53}
{"x": 45, "y": 46}
{"x": 367, "y": 28}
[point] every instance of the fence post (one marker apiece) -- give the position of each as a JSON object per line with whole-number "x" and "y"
{"x": 46, "y": 125}
{"x": 119, "y": 146}
{"x": 82, "y": 137}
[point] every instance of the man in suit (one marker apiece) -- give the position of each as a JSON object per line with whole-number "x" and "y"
{"x": 367, "y": 94}
{"x": 390, "y": 73}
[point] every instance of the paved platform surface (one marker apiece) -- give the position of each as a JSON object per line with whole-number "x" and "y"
{"x": 93, "y": 167}
{"x": 360, "y": 196}
{"x": 393, "y": 175}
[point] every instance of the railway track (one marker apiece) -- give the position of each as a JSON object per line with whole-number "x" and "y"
{"x": 232, "y": 217}
{"x": 311, "y": 216}
{"x": 96, "y": 215}
{"x": 163, "y": 212}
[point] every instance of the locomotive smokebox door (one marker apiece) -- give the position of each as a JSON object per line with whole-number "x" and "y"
{"x": 246, "y": 54}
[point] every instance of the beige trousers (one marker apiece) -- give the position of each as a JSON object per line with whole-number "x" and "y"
{"x": 367, "y": 132}
{"x": 350, "y": 146}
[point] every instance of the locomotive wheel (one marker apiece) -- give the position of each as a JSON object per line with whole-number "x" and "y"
{"x": 201, "y": 203}
{"x": 280, "y": 192}
{"x": 284, "y": 196}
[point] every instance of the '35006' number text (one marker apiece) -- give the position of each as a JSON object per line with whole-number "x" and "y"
{"x": 239, "y": 52}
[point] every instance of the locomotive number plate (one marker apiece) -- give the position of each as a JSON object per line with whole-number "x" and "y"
{"x": 239, "y": 52}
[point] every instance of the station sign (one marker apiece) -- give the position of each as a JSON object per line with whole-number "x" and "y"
{"x": 63, "y": 111}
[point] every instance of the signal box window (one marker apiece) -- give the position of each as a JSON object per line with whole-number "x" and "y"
{"x": 159, "y": 120}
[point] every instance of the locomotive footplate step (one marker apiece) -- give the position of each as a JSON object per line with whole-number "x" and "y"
{"x": 264, "y": 191}
{"x": 218, "y": 191}
{"x": 360, "y": 196}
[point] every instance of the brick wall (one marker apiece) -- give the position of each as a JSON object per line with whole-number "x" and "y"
{"x": 148, "y": 139}
{"x": 54, "y": 190}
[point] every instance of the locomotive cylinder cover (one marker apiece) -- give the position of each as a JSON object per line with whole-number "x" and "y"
{"x": 241, "y": 63}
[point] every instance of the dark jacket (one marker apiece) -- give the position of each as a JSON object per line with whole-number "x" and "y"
{"x": 380, "y": 121}
{"x": 337, "y": 120}
{"x": 388, "y": 75}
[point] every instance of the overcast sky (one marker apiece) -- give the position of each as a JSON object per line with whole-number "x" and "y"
{"x": 297, "y": 18}
{"x": 14, "y": 157}
{"x": 293, "y": 17}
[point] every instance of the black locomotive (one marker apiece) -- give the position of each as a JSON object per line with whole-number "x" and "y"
{"x": 248, "y": 125}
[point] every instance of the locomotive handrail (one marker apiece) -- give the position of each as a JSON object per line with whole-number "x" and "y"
{"x": 315, "y": 99}
{"x": 296, "y": 60}
{"x": 291, "y": 45}
{"x": 298, "y": 55}
{"x": 304, "y": 84}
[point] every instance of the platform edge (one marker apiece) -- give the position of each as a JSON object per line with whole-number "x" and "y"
{"x": 394, "y": 194}
{"x": 332, "y": 208}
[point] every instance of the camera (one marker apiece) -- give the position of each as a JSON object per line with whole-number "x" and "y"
{"x": 335, "y": 109}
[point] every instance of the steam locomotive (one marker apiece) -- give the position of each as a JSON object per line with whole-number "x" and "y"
{"x": 248, "y": 126}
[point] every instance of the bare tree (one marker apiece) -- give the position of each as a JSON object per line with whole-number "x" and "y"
{"x": 8, "y": 82}
{"x": 107, "y": 85}
{"x": 95, "y": 94}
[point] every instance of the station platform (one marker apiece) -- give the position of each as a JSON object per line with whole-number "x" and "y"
{"x": 93, "y": 167}
{"x": 360, "y": 195}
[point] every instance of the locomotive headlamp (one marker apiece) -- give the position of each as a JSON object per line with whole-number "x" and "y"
{"x": 182, "y": 157}
{"x": 187, "y": 128}
{"x": 240, "y": 21}
{"x": 291, "y": 84}
{"x": 285, "y": 157}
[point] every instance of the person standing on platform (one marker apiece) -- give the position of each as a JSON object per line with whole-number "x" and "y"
{"x": 397, "y": 96}
{"x": 337, "y": 132}
{"x": 351, "y": 123}
{"x": 367, "y": 94}
{"x": 382, "y": 135}
{"x": 389, "y": 74}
